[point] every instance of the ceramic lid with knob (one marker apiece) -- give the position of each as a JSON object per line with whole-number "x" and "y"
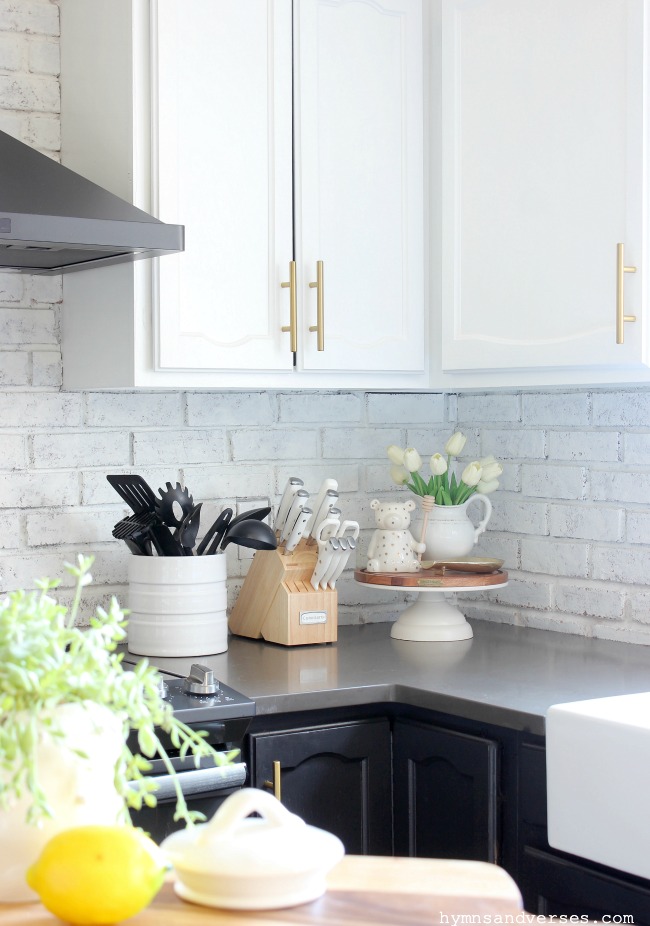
{"x": 240, "y": 862}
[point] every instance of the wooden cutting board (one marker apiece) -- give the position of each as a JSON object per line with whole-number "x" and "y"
{"x": 431, "y": 578}
{"x": 362, "y": 891}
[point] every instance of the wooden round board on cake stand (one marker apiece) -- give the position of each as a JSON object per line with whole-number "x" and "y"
{"x": 433, "y": 616}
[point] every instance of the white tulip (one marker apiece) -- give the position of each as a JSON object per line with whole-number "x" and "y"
{"x": 486, "y": 486}
{"x": 438, "y": 464}
{"x": 472, "y": 474}
{"x": 399, "y": 475}
{"x": 412, "y": 459}
{"x": 455, "y": 444}
{"x": 491, "y": 469}
{"x": 395, "y": 454}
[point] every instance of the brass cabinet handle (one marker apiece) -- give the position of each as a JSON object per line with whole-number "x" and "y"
{"x": 276, "y": 784}
{"x": 621, "y": 317}
{"x": 319, "y": 327}
{"x": 292, "y": 327}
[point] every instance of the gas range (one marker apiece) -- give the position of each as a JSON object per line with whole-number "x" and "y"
{"x": 223, "y": 714}
{"x": 202, "y": 700}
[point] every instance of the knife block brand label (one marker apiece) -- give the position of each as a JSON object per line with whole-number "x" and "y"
{"x": 313, "y": 617}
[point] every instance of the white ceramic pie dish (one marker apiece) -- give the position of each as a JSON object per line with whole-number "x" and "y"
{"x": 239, "y": 862}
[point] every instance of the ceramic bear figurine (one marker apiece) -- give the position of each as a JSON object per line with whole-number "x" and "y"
{"x": 392, "y": 547}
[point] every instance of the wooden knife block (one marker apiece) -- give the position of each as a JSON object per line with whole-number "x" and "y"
{"x": 278, "y": 603}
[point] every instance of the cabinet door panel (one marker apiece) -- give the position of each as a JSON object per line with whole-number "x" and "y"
{"x": 551, "y": 885}
{"x": 543, "y": 176}
{"x": 445, "y": 793}
{"x": 223, "y": 149}
{"x": 359, "y": 176}
{"x": 337, "y": 778}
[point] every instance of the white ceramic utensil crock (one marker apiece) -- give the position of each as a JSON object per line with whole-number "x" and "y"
{"x": 239, "y": 862}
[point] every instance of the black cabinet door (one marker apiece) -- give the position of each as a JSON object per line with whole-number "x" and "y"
{"x": 445, "y": 793}
{"x": 556, "y": 886}
{"x": 553, "y": 883}
{"x": 337, "y": 777}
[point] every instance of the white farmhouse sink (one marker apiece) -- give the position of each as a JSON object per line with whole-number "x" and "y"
{"x": 598, "y": 768}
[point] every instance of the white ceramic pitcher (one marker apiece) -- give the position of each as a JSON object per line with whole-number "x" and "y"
{"x": 450, "y": 532}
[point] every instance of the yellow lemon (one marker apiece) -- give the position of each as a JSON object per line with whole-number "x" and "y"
{"x": 96, "y": 875}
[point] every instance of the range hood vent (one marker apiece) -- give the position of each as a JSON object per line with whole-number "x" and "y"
{"x": 53, "y": 220}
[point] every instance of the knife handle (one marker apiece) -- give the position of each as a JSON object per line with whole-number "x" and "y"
{"x": 299, "y": 501}
{"x": 327, "y": 485}
{"x": 290, "y": 490}
{"x": 298, "y": 530}
{"x": 329, "y": 501}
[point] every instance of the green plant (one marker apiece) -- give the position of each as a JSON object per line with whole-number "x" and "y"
{"x": 443, "y": 485}
{"x": 45, "y": 661}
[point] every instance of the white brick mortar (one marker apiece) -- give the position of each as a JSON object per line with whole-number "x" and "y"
{"x": 571, "y": 519}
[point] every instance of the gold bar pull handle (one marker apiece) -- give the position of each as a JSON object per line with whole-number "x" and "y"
{"x": 621, "y": 317}
{"x": 292, "y": 327}
{"x": 276, "y": 784}
{"x": 319, "y": 327}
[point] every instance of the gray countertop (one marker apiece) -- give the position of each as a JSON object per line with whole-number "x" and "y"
{"x": 506, "y": 675}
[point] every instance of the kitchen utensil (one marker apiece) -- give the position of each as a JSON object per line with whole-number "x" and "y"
{"x": 329, "y": 500}
{"x": 292, "y": 486}
{"x": 340, "y": 550}
{"x": 326, "y": 551}
{"x": 139, "y": 496}
{"x": 328, "y": 484}
{"x": 134, "y": 530}
{"x": 252, "y": 533}
{"x": 217, "y": 530}
{"x": 343, "y": 560}
{"x": 127, "y": 527}
{"x": 174, "y": 504}
{"x": 348, "y": 527}
{"x": 298, "y": 530}
{"x": 134, "y": 547}
{"x": 135, "y": 491}
{"x": 257, "y": 514}
{"x": 186, "y": 533}
{"x": 475, "y": 564}
{"x": 300, "y": 499}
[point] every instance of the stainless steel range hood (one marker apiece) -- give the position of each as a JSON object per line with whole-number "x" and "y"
{"x": 52, "y": 220}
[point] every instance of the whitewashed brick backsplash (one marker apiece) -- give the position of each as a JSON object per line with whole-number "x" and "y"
{"x": 571, "y": 519}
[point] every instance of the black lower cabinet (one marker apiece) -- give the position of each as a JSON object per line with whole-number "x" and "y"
{"x": 336, "y": 777}
{"x": 445, "y": 793}
{"x": 556, "y": 886}
{"x": 554, "y": 883}
{"x": 397, "y": 779}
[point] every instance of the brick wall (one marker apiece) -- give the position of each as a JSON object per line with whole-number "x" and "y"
{"x": 571, "y": 519}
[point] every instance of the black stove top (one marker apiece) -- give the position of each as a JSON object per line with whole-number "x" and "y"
{"x": 223, "y": 704}
{"x": 200, "y": 698}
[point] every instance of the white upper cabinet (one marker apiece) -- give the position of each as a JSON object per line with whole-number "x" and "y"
{"x": 288, "y": 139}
{"x": 543, "y": 176}
{"x": 222, "y": 99}
{"x": 359, "y": 183}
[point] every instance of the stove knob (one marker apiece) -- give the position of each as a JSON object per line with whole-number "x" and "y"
{"x": 163, "y": 691}
{"x": 200, "y": 681}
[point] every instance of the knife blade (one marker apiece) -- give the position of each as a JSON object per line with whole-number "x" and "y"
{"x": 293, "y": 484}
{"x": 300, "y": 499}
{"x": 298, "y": 529}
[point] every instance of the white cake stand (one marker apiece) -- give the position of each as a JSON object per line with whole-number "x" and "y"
{"x": 434, "y": 616}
